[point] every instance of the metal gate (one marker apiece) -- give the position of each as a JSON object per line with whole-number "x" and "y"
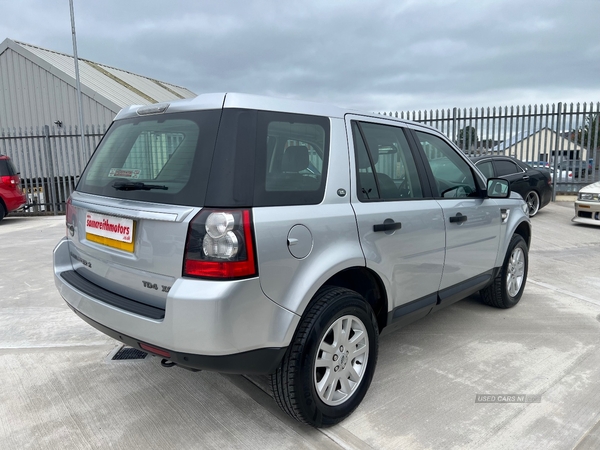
{"x": 50, "y": 161}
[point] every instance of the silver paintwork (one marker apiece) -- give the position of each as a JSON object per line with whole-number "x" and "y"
{"x": 225, "y": 318}
{"x": 341, "y": 360}
{"x": 217, "y": 318}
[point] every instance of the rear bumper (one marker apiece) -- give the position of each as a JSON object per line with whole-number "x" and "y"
{"x": 260, "y": 361}
{"x": 228, "y": 327}
{"x": 14, "y": 199}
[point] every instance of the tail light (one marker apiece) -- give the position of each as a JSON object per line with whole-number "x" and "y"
{"x": 11, "y": 180}
{"x": 220, "y": 245}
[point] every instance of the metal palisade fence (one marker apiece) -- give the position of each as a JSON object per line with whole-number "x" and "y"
{"x": 50, "y": 160}
{"x": 562, "y": 137}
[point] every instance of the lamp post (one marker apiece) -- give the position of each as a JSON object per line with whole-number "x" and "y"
{"x": 77, "y": 83}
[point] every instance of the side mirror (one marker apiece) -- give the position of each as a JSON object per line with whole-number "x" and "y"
{"x": 498, "y": 188}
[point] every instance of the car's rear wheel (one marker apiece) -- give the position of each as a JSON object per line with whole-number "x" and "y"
{"x": 508, "y": 286}
{"x": 2, "y": 211}
{"x": 533, "y": 203}
{"x": 329, "y": 365}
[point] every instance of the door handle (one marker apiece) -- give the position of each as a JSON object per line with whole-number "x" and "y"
{"x": 526, "y": 177}
{"x": 458, "y": 218}
{"x": 388, "y": 226}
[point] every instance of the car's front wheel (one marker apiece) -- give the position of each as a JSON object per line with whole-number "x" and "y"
{"x": 533, "y": 203}
{"x": 507, "y": 288}
{"x": 329, "y": 365}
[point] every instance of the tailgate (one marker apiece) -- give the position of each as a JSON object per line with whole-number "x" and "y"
{"x": 134, "y": 249}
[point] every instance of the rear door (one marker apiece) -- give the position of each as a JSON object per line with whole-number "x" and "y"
{"x": 401, "y": 226}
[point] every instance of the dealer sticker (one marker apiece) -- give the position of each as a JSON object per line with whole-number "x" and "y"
{"x": 116, "y": 232}
{"x": 124, "y": 173}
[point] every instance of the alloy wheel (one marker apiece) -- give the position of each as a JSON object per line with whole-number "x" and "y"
{"x": 515, "y": 272}
{"x": 341, "y": 360}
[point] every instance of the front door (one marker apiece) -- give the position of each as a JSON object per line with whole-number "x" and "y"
{"x": 472, "y": 221}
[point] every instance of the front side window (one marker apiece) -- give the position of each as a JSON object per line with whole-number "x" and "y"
{"x": 452, "y": 174}
{"x": 486, "y": 168}
{"x": 386, "y": 168}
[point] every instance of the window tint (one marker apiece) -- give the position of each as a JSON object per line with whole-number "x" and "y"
{"x": 295, "y": 162}
{"x": 292, "y": 152}
{"x": 504, "y": 167}
{"x": 151, "y": 151}
{"x": 217, "y": 158}
{"x": 385, "y": 166}
{"x": 452, "y": 174}
{"x": 7, "y": 168}
{"x": 162, "y": 151}
{"x": 486, "y": 168}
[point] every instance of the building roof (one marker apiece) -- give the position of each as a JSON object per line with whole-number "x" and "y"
{"x": 112, "y": 87}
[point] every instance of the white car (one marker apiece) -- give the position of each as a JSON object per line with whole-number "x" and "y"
{"x": 563, "y": 175}
{"x": 587, "y": 205}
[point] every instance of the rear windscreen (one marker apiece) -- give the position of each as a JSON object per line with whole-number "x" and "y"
{"x": 162, "y": 159}
{"x": 237, "y": 158}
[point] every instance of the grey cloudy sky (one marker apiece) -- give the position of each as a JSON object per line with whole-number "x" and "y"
{"x": 371, "y": 55}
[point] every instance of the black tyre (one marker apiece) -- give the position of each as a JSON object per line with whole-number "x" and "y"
{"x": 533, "y": 203}
{"x": 507, "y": 288}
{"x": 329, "y": 365}
{"x": 2, "y": 211}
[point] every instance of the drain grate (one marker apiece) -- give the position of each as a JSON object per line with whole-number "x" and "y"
{"x": 129, "y": 353}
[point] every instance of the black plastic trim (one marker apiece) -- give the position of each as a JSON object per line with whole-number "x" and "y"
{"x": 254, "y": 362}
{"x": 413, "y": 306}
{"x": 466, "y": 288}
{"x": 101, "y": 294}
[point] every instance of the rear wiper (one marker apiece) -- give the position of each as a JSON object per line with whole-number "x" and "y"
{"x": 136, "y": 186}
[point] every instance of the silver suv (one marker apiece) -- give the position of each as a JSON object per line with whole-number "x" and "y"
{"x": 245, "y": 234}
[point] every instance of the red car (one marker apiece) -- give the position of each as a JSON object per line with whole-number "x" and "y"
{"x": 11, "y": 194}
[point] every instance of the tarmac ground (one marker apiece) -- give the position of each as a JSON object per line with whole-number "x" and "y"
{"x": 467, "y": 377}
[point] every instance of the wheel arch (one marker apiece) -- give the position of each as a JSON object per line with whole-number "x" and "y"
{"x": 524, "y": 230}
{"x": 369, "y": 285}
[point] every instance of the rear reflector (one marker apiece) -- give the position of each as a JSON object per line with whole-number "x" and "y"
{"x": 155, "y": 350}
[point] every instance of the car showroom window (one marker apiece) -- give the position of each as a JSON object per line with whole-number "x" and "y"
{"x": 452, "y": 174}
{"x": 386, "y": 168}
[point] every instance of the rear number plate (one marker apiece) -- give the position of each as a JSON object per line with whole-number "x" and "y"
{"x": 115, "y": 232}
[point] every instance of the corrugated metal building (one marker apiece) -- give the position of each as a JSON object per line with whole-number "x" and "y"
{"x": 37, "y": 88}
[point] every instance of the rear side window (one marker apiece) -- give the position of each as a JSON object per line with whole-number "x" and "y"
{"x": 161, "y": 158}
{"x": 266, "y": 158}
{"x": 504, "y": 167}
